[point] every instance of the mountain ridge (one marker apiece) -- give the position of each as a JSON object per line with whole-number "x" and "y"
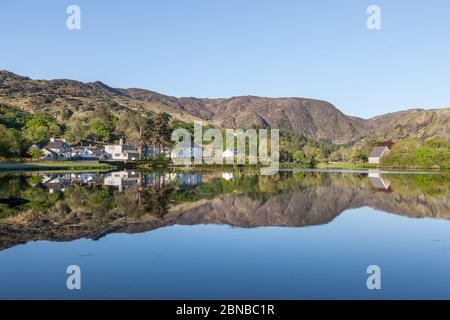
{"x": 316, "y": 118}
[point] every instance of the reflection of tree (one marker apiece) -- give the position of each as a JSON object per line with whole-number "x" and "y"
{"x": 10, "y": 187}
{"x": 21, "y": 193}
{"x": 294, "y": 200}
{"x": 40, "y": 200}
{"x": 137, "y": 202}
{"x": 92, "y": 199}
{"x": 11, "y": 199}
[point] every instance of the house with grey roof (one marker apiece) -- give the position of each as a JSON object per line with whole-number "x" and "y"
{"x": 377, "y": 153}
{"x": 122, "y": 152}
{"x": 88, "y": 153}
{"x": 55, "y": 150}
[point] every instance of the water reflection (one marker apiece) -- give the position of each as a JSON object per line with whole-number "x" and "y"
{"x": 63, "y": 207}
{"x": 379, "y": 182}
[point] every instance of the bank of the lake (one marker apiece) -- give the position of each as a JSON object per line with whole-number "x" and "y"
{"x": 57, "y": 166}
{"x": 99, "y": 166}
{"x": 365, "y": 166}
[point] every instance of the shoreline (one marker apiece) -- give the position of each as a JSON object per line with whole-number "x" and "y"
{"x": 53, "y": 166}
{"x": 99, "y": 166}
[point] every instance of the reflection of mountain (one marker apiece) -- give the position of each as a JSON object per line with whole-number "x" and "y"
{"x": 311, "y": 199}
{"x": 313, "y": 206}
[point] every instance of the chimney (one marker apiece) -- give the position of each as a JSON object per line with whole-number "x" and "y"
{"x": 52, "y": 139}
{"x": 121, "y": 141}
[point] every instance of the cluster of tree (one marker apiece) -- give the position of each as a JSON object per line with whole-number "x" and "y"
{"x": 406, "y": 152}
{"x": 350, "y": 154}
{"x": 413, "y": 152}
{"x": 11, "y": 142}
{"x": 98, "y": 126}
{"x": 299, "y": 148}
{"x": 19, "y": 131}
{"x": 19, "y": 193}
{"x": 309, "y": 156}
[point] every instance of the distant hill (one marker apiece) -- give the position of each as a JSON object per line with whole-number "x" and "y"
{"x": 315, "y": 118}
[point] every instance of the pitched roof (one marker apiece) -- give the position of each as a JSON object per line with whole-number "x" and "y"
{"x": 379, "y": 183}
{"x": 377, "y": 152}
{"x": 49, "y": 151}
{"x": 57, "y": 144}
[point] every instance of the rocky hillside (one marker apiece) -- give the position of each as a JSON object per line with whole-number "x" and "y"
{"x": 421, "y": 123}
{"x": 318, "y": 119}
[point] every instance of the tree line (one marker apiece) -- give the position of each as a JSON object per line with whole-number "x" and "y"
{"x": 19, "y": 130}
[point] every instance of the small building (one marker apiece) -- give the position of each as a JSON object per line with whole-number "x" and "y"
{"x": 55, "y": 150}
{"x": 377, "y": 153}
{"x": 48, "y": 154}
{"x": 88, "y": 153}
{"x": 122, "y": 152}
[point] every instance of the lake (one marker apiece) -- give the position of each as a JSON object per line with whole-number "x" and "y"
{"x": 225, "y": 235}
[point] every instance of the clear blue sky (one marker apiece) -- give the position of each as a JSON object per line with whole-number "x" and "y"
{"x": 216, "y": 48}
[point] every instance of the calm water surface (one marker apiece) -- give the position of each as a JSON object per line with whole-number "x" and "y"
{"x": 166, "y": 235}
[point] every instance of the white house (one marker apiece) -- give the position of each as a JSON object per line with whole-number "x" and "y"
{"x": 48, "y": 154}
{"x": 377, "y": 153}
{"x": 88, "y": 153}
{"x": 122, "y": 151}
{"x": 55, "y": 150}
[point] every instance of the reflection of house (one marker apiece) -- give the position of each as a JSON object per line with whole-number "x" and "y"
{"x": 378, "y": 182}
{"x": 377, "y": 153}
{"x": 88, "y": 153}
{"x": 156, "y": 178}
{"x": 122, "y": 151}
{"x": 88, "y": 178}
{"x": 189, "y": 180}
{"x": 122, "y": 179}
{"x": 55, "y": 150}
{"x": 56, "y": 182}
